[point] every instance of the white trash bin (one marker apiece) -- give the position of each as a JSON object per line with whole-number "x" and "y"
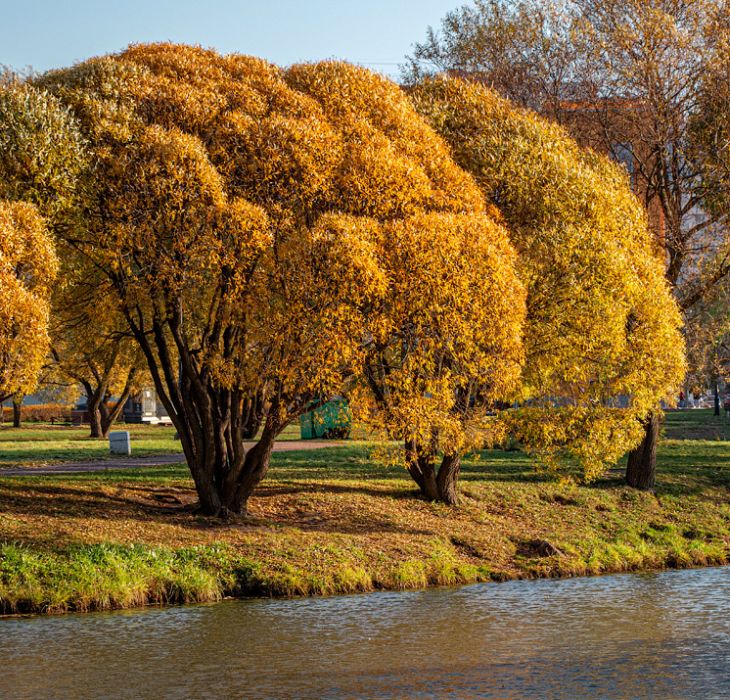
{"x": 119, "y": 443}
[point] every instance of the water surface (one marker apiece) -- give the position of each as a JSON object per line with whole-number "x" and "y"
{"x": 661, "y": 636}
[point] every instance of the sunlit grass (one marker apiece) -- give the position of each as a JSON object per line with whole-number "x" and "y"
{"x": 33, "y": 445}
{"x": 335, "y": 520}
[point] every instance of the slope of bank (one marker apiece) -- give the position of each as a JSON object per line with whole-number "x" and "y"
{"x": 331, "y": 521}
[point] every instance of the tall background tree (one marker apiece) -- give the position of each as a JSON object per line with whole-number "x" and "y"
{"x": 627, "y": 77}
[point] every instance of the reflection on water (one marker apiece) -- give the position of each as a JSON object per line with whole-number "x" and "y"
{"x": 662, "y": 636}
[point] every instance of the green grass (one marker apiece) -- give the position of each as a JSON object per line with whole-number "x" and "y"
{"x": 333, "y": 521}
{"x": 34, "y": 444}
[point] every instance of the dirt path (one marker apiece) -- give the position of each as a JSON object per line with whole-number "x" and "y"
{"x": 154, "y": 461}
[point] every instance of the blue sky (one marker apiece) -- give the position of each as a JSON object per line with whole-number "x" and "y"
{"x": 45, "y": 34}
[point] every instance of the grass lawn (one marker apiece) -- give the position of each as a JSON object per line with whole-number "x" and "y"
{"x": 40, "y": 444}
{"x": 330, "y": 521}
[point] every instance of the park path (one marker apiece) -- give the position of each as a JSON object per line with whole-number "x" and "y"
{"x": 102, "y": 465}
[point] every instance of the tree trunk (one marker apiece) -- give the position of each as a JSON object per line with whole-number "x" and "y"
{"x": 447, "y": 478}
{"x": 17, "y": 410}
{"x": 255, "y": 467}
{"x": 95, "y": 429}
{"x": 717, "y": 398}
{"x": 641, "y": 465}
{"x": 108, "y": 417}
{"x": 225, "y": 474}
{"x": 210, "y": 420}
{"x": 441, "y": 486}
{"x": 93, "y": 409}
{"x": 421, "y": 466}
{"x": 253, "y": 412}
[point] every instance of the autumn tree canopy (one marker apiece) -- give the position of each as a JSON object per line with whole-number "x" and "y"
{"x": 238, "y": 212}
{"x": 602, "y": 326}
{"x": 41, "y": 150}
{"x": 632, "y": 79}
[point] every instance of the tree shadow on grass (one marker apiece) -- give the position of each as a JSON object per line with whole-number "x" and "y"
{"x": 304, "y": 507}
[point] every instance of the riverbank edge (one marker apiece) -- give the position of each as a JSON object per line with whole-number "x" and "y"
{"x": 104, "y": 577}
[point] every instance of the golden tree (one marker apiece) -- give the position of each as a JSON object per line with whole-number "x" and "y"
{"x": 629, "y": 78}
{"x": 43, "y": 161}
{"x": 91, "y": 346}
{"x": 445, "y": 342}
{"x": 28, "y": 267}
{"x": 602, "y": 326}
{"x": 443, "y": 339}
{"x": 230, "y": 210}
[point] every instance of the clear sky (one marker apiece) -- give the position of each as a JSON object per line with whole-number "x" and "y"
{"x": 43, "y": 34}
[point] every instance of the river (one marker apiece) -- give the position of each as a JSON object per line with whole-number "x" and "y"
{"x": 661, "y": 635}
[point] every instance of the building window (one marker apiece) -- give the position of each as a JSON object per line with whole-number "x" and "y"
{"x": 623, "y": 153}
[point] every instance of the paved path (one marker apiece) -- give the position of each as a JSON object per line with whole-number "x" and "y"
{"x": 154, "y": 461}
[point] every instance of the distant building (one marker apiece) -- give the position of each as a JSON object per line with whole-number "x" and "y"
{"x": 590, "y": 124}
{"x": 144, "y": 407}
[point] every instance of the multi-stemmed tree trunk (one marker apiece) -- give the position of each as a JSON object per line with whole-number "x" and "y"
{"x": 102, "y": 415}
{"x": 212, "y": 421}
{"x": 434, "y": 485}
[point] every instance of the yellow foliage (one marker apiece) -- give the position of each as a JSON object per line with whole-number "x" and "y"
{"x": 601, "y": 326}
{"x": 28, "y": 268}
{"x": 251, "y": 216}
{"x": 285, "y": 233}
{"x": 446, "y": 340}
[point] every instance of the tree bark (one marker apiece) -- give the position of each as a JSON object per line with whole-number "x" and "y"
{"x": 447, "y": 478}
{"x": 255, "y": 467}
{"x": 17, "y": 410}
{"x": 107, "y": 416}
{"x": 641, "y": 465}
{"x": 717, "y": 398}
{"x": 434, "y": 486}
{"x": 95, "y": 429}
{"x": 93, "y": 408}
{"x": 253, "y": 417}
{"x": 421, "y": 466}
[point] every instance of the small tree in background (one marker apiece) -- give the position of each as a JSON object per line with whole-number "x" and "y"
{"x": 28, "y": 267}
{"x": 92, "y": 347}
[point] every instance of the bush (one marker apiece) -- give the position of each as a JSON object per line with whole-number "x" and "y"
{"x": 41, "y": 413}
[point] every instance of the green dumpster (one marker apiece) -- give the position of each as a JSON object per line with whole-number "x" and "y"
{"x": 330, "y": 421}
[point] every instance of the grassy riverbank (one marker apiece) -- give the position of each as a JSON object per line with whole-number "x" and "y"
{"x": 331, "y": 521}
